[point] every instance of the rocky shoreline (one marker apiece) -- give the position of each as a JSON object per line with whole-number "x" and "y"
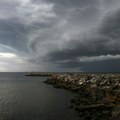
{"x": 98, "y": 95}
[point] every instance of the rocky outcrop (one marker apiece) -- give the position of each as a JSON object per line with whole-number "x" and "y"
{"x": 98, "y": 94}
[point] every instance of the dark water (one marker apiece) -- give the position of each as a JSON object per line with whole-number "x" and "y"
{"x": 28, "y": 98}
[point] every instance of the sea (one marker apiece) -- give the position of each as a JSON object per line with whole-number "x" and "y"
{"x": 29, "y": 98}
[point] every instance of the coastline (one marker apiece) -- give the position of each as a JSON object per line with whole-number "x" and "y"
{"x": 98, "y": 95}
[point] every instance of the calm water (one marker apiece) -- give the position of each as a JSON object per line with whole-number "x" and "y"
{"x": 28, "y": 98}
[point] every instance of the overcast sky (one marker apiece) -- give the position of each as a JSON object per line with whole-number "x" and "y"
{"x": 60, "y": 35}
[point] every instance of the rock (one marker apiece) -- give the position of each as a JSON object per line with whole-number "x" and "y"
{"x": 97, "y": 94}
{"x": 95, "y": 107}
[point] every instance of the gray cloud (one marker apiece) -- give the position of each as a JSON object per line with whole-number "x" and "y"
{"x": 61, "y": 34}
{"x": 96, "y": 66}
{"x": 103, "y": 41}
{"x": 13, "y": 33}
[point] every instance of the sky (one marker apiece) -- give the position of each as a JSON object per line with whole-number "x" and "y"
{"x": 60, "y": 35}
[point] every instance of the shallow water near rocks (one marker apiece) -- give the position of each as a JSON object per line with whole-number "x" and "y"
{"x": 28, "y": 98}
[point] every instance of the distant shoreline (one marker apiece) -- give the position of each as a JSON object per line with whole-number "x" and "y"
{"x": 68, "y": 73}
{"x": 38, "y": 74}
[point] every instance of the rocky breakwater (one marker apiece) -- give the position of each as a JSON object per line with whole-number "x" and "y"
{"x": 98, "y": 95}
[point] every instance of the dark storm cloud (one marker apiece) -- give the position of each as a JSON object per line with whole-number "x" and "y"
{"x": 105, "y": 41}
{"x": 103, "y": 66}
{"x": 110, "y": 25}
{"x": 98, "y": 46}
{"x": 102, "y": 42}
{"x": 65, "y": 34}
{"x": 112, "y": 65}
{"x": 71, "y": 18}
{"x": 79, "y": 12}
